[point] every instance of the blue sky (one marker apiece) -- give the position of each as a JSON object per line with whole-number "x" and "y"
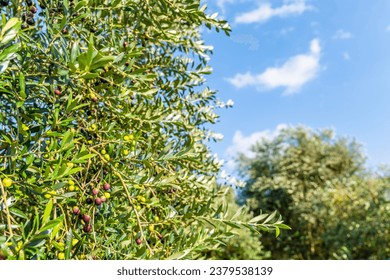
{"x": 318, "y": 63}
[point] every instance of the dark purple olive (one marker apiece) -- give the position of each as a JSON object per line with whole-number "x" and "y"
{"x": 89, "y": 200}
{"x": 4, "y": 3}
{"x": 87, "y": 228}
{"x": 30, "y": 21}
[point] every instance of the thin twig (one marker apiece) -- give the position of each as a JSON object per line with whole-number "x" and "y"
{"x": 6, "y": 208}
{"x": 135, "y": 210}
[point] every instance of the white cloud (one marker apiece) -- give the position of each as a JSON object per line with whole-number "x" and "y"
{"x": 342, "y": 35}
{"x": 221, "y": 4}
{"x": 243, "y": 80}
{"x": 265, "y": 12}
{"x": 346, "y": 56}
{"x": 242, "y": 144}
{"x": 292, "y": 75}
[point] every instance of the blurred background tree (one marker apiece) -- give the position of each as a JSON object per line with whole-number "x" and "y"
{"x": 319, "y": 184}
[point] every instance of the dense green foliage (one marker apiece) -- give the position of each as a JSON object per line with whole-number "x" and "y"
{"x": 96, "y": 93}
{"x": 318, "y": 182}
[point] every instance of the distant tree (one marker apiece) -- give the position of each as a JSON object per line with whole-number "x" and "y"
{"x": 319, "y": 185}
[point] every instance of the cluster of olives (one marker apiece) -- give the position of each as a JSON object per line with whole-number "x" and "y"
{"x": 98, "y": 201}
{"x": 28, "y": 18}
{"x": 4, "y": 3}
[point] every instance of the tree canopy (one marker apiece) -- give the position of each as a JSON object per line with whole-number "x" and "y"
{"x": 103, "y": 139}
{"x": 319, "y": 184}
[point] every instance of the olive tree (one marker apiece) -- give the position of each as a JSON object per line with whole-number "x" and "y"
{"x": 103, "y": 138}
{"x": 318, "y": 182}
